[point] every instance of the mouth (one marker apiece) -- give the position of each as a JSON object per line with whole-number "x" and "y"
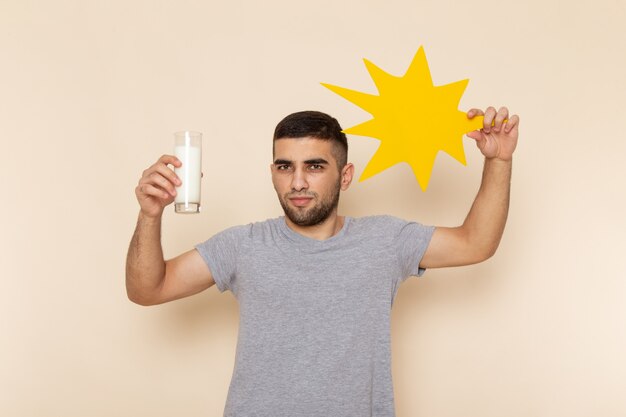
{"x": 300, "y": 200}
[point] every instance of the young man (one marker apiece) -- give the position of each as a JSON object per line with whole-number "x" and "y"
{"x": 315, "y": 289}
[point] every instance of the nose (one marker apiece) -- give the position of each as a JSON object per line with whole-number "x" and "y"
{"x": 298, "y": 180}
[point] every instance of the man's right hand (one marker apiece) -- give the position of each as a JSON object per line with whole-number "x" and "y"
{"x": 157, "y": 186}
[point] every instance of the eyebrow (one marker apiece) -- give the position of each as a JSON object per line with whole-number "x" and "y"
{"x": 316, "y": 161}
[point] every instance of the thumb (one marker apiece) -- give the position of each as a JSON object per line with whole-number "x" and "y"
{"x": 475, "y": 134}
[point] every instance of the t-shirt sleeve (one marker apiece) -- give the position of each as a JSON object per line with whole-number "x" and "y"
{"x": 411, "y": 243}
{"x": 220, "y": 253}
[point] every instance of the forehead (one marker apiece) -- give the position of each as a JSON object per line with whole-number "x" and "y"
{"x": 302, "y": 149}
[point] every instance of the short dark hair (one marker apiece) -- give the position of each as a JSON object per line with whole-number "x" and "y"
{"x": 316, "y": 125}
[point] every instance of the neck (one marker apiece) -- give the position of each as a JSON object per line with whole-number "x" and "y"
{"x": 327, "y": 229}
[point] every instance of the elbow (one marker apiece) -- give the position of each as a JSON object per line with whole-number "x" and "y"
{"x": 136, "y": 299}
{"x": 478, "y": 249}
{"x": 143, "y": 300}
{"x": 484, "y": 257}
{"x": 485, "y": 253}
{"x": 137, "y": 295}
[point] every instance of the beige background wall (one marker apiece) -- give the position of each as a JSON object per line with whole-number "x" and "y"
{"x": 91, "y": 91}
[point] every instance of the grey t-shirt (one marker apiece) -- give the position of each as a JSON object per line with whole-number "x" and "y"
{"x": 314, "y": 332}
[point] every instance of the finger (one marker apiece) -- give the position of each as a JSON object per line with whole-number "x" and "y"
{"x": 490, "y": 115}
{"x": 170, "y": 160}
{"x": 168, "y": 173}
{"x": 479, "y": 138}
{"x": 160, "y": 181}
{"x": 149, "y": 190}
{"x": 500, "y": 117}
{"x": 512, "y": 123}
{"x": 474, "y": 112}
{"x": 476, "y": 135}
{"x": 157, "y": 179}
{"x": 164, "y": 170}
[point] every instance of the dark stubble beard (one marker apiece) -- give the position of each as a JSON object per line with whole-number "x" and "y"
{"x": 314, "y": 215}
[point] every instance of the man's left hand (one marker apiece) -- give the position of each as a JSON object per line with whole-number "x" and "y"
{"x": 498, "y": 137}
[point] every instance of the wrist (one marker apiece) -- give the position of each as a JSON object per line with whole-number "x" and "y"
{"x": 496, "y": 160}
{"x": 150, "y": 219}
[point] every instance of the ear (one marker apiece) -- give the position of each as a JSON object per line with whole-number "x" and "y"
{"x": 272, "y": 171}
{"x": 347, "y": 172}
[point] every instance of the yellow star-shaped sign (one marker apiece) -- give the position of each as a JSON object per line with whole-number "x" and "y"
{"x": 412, "y": 118}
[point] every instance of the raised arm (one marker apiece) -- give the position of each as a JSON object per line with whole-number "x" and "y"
{"x": 479, "y": 236}
{"x": 150, "y": 279}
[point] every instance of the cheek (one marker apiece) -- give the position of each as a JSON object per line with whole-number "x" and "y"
{"x": 275, "y": 183}
{"x": 280, "y": 182}
{"x": 328, "y": 184}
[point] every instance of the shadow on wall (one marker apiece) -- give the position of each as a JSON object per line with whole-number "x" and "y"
{"x": 189, "y": 320}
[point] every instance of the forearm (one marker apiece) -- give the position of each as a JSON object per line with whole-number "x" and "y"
{"x": 484, "y": 224}
{"x": 479, "y": 236}
{"x": 145, "y": 266}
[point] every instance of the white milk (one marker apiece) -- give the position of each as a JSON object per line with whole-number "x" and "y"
{"x": 189, "y": 174}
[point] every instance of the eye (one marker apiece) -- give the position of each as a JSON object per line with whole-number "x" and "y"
{"x": 316, "y": 167}
{"x": 283, "y": 167}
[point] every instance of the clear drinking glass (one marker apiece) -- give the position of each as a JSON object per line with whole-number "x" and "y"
{"x": 188, "y": 148}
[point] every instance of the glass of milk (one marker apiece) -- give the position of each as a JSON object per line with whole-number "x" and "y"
{"x": 188, "y": 148}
